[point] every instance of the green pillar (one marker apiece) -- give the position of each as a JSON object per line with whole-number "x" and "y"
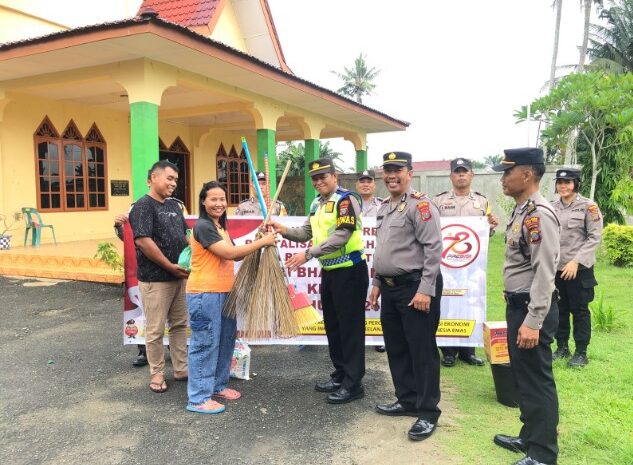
{"x": 266, "y": 145}
{"x": 144, "y": 144}
{"x": 361, "y": 160}
{"x": 312, "y": 152}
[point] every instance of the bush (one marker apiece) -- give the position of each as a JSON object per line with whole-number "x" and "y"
{"x": 605, "y": 317}
{"x": 108, "y": 254}
{"x": 618, "y": 242}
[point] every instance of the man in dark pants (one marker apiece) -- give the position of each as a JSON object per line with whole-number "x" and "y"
{"x": 407, "y": 265}
{"x": 335, "y": 227}
{"x": 532, "y": 253}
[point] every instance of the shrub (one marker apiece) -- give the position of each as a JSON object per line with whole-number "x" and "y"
{"x": 604, "y": 317}
{"x": 108, "y": 254}
{"x": 618, "y": 242}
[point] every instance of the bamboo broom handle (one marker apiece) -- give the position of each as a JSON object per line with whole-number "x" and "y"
{"x": 281, "y": 184}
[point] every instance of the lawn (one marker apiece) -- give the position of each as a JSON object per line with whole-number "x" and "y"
{"x": 596, "y": 402}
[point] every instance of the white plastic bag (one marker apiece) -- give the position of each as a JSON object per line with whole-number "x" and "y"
{"x": 241, "y": 363}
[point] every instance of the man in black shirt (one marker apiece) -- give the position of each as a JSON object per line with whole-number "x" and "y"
{"x": 160, "y": 236}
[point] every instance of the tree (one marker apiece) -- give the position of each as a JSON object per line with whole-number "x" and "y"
{"x": 357, "y": 81}
{"x": 558, "y": 4}
{"x": 296, "y": 154}
{"x": 586, "y": 6}
{"x": 612, "y": 45}
{"x": 492, "y": 160}
{"x": 599, "y": 107}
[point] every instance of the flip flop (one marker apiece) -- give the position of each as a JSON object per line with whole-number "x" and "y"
{"x": 227, "y": 394}
{"x": 160, "y": 385}
{"x": 192, "y": 408}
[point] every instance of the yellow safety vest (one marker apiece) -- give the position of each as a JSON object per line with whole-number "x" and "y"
{"x": 323, "y": 223}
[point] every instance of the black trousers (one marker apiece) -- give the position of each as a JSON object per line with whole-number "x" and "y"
{"x": 343, "y": 297}
{"x": 532, "y": 369}
{"x": 412, "y": 352}
{"x": 463, "y": 352}
{"x": 575, "y": 296}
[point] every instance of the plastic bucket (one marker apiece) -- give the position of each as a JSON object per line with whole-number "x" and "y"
{"x": 505, "y": 386}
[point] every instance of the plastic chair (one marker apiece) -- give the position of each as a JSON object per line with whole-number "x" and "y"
{"x": 34, "y": 223}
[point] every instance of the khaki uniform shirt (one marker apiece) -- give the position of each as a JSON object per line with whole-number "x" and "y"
{"x": 250, "y": 207}
{"x": 473, "y": 204}
{"x": 370, "y": 208}
{"x": 581, "y": 224}
{"x": 532, "y": 253}
{"x": 409, "y": 238}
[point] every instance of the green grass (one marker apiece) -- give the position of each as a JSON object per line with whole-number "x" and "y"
{"x": 596, "y": 402}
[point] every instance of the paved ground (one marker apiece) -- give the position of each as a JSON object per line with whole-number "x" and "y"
{"x": 69, "y": 395}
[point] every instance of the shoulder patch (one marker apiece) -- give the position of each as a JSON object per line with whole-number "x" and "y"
{"x": 533, "y": 225}
{"x": 594, "y": 211}
{"x": 425, "y": 210}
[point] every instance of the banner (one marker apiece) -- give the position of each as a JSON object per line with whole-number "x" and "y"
{"x": 464, "y": 251}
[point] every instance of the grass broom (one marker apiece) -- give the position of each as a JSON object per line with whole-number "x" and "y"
{"x": 270, "y": 311}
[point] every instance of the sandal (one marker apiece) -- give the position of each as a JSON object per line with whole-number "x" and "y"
{"x": 158, "y": 387}
{"x": 209, "y": 406}
{"x": 227, "y": 394}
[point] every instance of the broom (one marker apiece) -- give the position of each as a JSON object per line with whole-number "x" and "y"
{"x": 270, "y": 311}
{"x": 237, "y": 300}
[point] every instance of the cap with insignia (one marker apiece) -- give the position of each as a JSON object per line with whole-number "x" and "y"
{"x": 396, "y": 159}
{"x": 261, "y": 176}
{"x": 321, "y": 166}
{"x": 568, "y": 173}
{"x": 522, "y": 156}
{"x": 461, "y": 163}
{"x": 367, "y": 174}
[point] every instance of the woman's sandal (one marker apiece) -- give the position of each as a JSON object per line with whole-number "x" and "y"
{"x": 214, "y": 407}
{"x": 227, "y": 394}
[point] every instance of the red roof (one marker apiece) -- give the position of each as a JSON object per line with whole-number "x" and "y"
{"x": 185, "y": 12}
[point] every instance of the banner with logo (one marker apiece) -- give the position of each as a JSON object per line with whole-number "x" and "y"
{"x": 464, "y": 252}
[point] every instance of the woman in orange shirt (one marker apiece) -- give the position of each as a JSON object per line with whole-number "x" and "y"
{"x": 211, "y": 279}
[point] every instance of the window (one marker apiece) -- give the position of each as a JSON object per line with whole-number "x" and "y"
{"x": 232, "y": 173}
{"x": 71, "y": 170}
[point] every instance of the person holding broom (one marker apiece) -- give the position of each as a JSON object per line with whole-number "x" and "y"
{"x": 212, "y": 333}
{"x": 335, "y": 227}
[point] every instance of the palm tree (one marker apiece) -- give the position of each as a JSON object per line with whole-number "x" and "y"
{"x": 612, "y": 45}
{"x": 558, "y": 4}
{"x": 357, "y": 81}
{"x": 296, "y": 154}
{"x": 586, "y": 6}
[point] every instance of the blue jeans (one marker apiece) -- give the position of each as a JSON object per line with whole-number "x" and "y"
{"x": 210, "y": 347}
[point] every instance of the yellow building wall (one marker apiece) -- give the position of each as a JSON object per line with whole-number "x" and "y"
{"x": 227, "y": 29}
{"x": 16, "y": 26}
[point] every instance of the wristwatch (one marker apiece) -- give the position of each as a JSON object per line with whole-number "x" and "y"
{"x": 308, "y": 255}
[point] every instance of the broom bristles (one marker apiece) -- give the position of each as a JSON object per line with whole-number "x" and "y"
{"x": 237, "y": 300}
{"x": 307, "y": 316}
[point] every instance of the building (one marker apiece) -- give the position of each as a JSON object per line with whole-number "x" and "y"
{"x": 92, "y": 93}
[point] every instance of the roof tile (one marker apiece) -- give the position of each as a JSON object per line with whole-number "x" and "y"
{"x": 184, "y": 12}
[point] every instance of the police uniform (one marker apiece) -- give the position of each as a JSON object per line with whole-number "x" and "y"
{"x": 450, "y": 204}
{"x": 581, "y": 223}
{"x": 251, "y": 207}
{"x": 532, "y": 253}
{"x": 335, "y": 227}
{"x": 406, "y": 262}
{"x": 370, "y": 207}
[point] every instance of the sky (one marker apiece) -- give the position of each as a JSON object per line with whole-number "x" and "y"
{"x": 457, "y": 70}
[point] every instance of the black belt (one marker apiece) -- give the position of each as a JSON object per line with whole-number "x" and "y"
{"x": 523, "y": 298}
{"x": 393, "y": 281}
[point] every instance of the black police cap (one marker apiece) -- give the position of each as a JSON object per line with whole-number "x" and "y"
{"x": 522, "y": 156}
{"x": 367, "y": 174}
{"x": 396, "y": 159}
{"x": 321, "y": 166}
{"x": 568, "y": 173}
{"x": 461, "y": 163}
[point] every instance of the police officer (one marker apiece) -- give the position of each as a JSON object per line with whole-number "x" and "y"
{"x": 532, "y": 254}
{"x": 461, "y": 201}
{"x": 251, "y": 207}
{"x": 335, "y": 227}
{"x": 366, "y": 187}
{"x": 407, "y": 265}
{"x": 581, "y": 223}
